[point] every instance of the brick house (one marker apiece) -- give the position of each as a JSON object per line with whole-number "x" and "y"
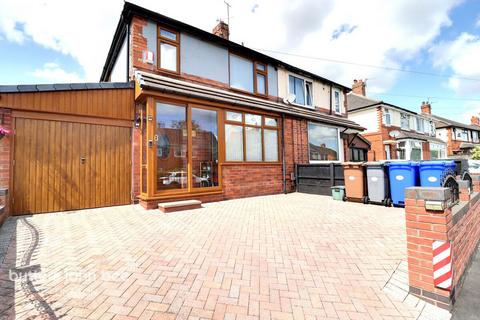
{"x": 179, "y": 113}
{"x": 267, "y": 115}
{"x": 460, "y": 138}
{"x": 393, "y": 132}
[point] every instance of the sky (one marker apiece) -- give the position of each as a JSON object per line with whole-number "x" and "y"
{"x": 436, "y": 41}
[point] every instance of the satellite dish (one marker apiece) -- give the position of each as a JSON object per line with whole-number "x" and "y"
{"x": 394, "y": 133}
{"x": 290, "y": 99}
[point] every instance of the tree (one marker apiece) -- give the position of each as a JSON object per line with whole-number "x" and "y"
{"x": 476, "y": 153}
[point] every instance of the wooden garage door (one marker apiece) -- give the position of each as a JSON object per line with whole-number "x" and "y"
{"x": 65, "y": 165}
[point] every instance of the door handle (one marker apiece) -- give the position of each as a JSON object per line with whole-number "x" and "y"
{"x": 83, "y": 160}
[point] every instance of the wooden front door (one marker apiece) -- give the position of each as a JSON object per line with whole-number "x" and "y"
{"x": 63, "y": 165}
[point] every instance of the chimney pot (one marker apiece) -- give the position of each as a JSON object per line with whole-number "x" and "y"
{"x": 475, "y": 120}
{"x": 221, "y": 30}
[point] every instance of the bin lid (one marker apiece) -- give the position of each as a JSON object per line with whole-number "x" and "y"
{"x": 374, "y": 163}
{"x": 337, "y": 187}
{"x": 402, "y": 163}
{"x": 438, "y": 163}
{"x": 351, "y": 163}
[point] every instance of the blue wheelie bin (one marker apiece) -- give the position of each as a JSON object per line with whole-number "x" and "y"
{"x": 402, "y": 174}
{"x": 433, "y": 172}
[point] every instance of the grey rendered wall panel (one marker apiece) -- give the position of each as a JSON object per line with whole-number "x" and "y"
{"x": 272, "y": 81}
{"x": 150, "y": 33}
{"x": 203, "y": 59}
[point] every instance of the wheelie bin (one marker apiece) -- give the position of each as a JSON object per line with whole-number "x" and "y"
{"x": 377, "y": 183}
{"x": 338, "y": 192}
{"x": 402, "y": 174}
{"x": 432, "y": 173}
{"x": 355, "y": 189}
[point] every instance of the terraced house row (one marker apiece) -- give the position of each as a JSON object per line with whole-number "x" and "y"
{"x": 179, "y": 113}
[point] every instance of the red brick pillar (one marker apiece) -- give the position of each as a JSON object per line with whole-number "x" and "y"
{"x": 428, "y": 219}
{"x": 475, "y": 182}
{"x": 5, "y": 152}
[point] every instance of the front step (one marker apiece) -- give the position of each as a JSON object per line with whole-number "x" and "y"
{"x": 167, "y": 207}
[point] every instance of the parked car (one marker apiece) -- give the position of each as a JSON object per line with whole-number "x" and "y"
{"x": 474, "y": 166}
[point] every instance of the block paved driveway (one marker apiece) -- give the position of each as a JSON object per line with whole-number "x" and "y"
{"x": 293, "y": 256}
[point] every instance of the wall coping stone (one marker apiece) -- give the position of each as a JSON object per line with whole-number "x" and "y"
{"x": 428, "y": 193}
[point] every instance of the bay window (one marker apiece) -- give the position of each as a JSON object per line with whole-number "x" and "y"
{"x": 323, "y": 142}
{"x": 302, "y": 89}
{"x": 437, "y": 151}
{"x": 250, "y": 137}
{"x": 169, "y": 49}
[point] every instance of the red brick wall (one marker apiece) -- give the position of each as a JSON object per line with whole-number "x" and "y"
{"x": 5, "y": 153}
{"x": 139, "y": 45}
{"x": 247, "y": 180}
{"x": 457, "y": 224}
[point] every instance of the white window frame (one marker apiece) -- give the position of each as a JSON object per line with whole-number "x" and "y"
{"x": 335, "y": 90}
{"x": 340, "y": 145}
{"x": 304, "y": 90}
{"x": 386, "y": 112}
{"x": 419, "y": 122}
{"x": 408, "y": 118}
{"x": 438, "y": 146}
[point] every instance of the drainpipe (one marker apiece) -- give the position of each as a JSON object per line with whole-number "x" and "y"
{"x": 331, "y": 102}
{"x": 284, "y": 170}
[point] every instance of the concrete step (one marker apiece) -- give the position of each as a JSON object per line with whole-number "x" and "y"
{"x": 179, "y": 205}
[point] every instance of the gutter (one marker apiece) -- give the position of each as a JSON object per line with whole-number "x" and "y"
{"x": 331, "y": 102}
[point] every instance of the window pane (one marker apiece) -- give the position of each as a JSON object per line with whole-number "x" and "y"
{"x": 241, "y": 73}
{"x": 270, "y": 122}
{"x": 295, "y": 86}
{"x": 171, "y": 147}
{"x": 253, "y": 119}
{"x": 253, "y": 137}
{"x": 308, "y": 88}
{"x": 234, "y": 142}
{"x": 261, "y": 84}
{"x": 169, "y": 35}
{"x": 168, "y": 57}
{"x": 323, "y": 142}
{"x": 234, "y": 116}
{"x": 337, "y": 101}
{"x": 260, "y": 67}
{"x": 271, "y": 145}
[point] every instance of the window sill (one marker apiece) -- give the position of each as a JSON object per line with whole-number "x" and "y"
{"x": 251, "y": 163}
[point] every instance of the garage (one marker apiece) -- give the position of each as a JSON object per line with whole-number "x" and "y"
{"x": 69, "y": 148}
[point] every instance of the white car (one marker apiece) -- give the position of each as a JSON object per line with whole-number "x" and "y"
{"x": 474, "y": 166}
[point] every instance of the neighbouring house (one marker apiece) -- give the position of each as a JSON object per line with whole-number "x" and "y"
{"x": 460, "y": 138}
{"x": 393, "y": 132}
{"x": 180, "y": 113}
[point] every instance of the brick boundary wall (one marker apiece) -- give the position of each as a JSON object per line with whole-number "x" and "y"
{"x": 5, "y": 154}
{"x": 457, "y": 224}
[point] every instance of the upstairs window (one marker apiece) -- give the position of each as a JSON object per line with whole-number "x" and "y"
{"x": 405, "y": 121}
{"x": 420, "y": 125}
{"x": 248, "y": 76}
{"x": 169, "y": 49}
{"x": 387, "y": 117}
{"x": 336, "y": 101}
{"x": 302, "y": 89}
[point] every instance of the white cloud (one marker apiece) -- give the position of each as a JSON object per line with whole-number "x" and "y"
{"x": 461, "y": 56}
{"x": 53, "y": 73}
{"x": 373, "y": 32}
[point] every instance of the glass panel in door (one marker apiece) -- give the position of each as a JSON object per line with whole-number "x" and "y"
{"x": 171, "y": 140}
{"x": 204, "y": 148}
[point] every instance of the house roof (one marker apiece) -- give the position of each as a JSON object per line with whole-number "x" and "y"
{"x": 417, "y": 136}
{"x": 441, "y": 122}
{"x": 65, "y": 87}
{"x": 174, "y": 86}
{"x": 356, "y": 102}
{"x": 130, "y": 9}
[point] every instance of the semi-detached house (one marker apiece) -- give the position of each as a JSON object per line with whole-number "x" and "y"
{"x": 394, "y": 132}
{"x": 180, "y": 113}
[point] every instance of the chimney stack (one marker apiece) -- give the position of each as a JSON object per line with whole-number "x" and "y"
{"x": 359, "y": 87}
{"x": 426, "y": 108}
{"x": 221, "y": 30}
{"x": 475, "y": 120}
